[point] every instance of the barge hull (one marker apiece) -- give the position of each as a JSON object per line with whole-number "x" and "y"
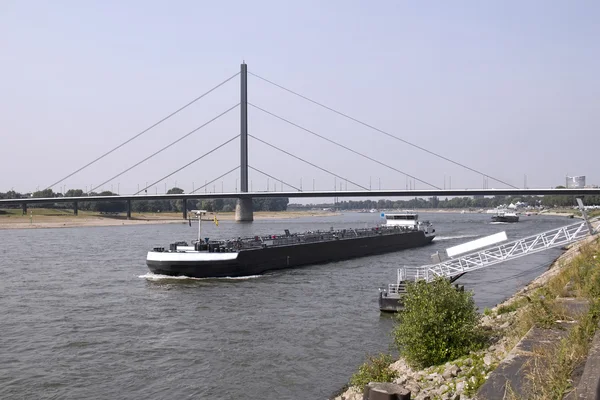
{"x": 261, "y": 260}
{"x": 505, "y": 219}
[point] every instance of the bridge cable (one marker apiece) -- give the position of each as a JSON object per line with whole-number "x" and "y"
{"x": 145, "y": 130}
{"x": 307, "y": 162}
{"x": 188, "y": 164}
{"x": 164, "y": 148}
{"x": 381, "y": 131}
{"x": 342, "y": 146}
{"x": 216, "y": 179}
{"x": 272, "y": 177}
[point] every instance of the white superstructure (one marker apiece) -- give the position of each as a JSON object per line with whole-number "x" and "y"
{"x": 408, "y": 220}
{"x": 405, "y": 218}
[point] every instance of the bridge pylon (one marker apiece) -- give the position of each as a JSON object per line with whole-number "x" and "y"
{"x": 243, "y": 208}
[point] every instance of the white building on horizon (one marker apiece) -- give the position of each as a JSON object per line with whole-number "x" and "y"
{"x": 575, "y": 182}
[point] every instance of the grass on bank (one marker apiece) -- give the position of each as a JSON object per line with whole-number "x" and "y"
{"x": 16, "y": 214}
{"x": 573, "y": 212}
{"x": 590, "y": 213}
{"x": 552, "y": 369}
{"x": 375, "y": 369}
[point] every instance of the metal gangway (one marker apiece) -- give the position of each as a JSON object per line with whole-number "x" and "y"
{"x": 390, "y": 298}
{"x": 456, "y": 267}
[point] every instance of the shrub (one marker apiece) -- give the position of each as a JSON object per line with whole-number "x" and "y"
{"x": 375, "y": 369}
{"x": 503, "y": 309}
{"x": 438, "y": 324}
{"x": 512, "y": 306}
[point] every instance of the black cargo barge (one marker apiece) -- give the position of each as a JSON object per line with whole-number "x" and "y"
{"x": 257, "y": 255}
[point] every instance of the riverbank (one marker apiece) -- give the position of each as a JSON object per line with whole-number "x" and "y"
{"x": 539, "y": 305}
{"x": 567, "y": 213}
{"x": 49, "y": 218}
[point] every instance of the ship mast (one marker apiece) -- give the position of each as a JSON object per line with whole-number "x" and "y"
{"x": 199, "y": 214}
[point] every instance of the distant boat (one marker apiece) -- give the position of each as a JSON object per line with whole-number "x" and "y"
{"x": 505, "y": 215}
{"x": 372, "y": 210}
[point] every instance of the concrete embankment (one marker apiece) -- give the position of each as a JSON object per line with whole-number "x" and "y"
{"x": 546, "y": 320}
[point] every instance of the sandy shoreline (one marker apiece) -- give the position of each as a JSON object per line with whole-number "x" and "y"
{"x": 65, "y": 220}
{"x": 72, "y": 221}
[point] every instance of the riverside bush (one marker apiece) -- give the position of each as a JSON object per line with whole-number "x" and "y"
{"x": 375, "y": 369}
{"x": 438, "y": 324}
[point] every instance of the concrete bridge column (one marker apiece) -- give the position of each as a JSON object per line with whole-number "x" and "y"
{"x": 243, "y": 210}
{"x": 24, "y": 205}
{"x": 184, "y": 208}
{"x": 75, "y": 208}
{"x": 128, "y": 209}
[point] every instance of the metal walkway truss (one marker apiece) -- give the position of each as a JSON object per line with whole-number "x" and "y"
{"x": 455, "y": 267}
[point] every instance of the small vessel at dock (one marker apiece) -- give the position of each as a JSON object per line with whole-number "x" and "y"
{"x": 206, "y": 258}
{"x": 505, "y": 215}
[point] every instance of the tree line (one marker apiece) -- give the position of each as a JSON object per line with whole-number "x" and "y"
{"x": 281, "y": 204}
{"x": 212, "y": 205}
{"x": 456, "y": 202}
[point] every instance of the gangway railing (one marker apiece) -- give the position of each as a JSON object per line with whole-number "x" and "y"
{"x": 508, "y": 251}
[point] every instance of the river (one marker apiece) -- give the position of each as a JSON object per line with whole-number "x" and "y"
{"x": 81, "y": 316}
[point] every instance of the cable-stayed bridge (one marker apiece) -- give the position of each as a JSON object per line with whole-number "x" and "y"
{"x": 244, "y": 196}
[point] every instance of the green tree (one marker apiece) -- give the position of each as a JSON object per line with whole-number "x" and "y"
{"x": 109, "y": 206}
{"x": 218, "y": 204}
{"x": 74, "y": 193}
{"x": 438, "y": 324}
{"x": 11, "y": 194}
{"x": 140, "y": 206}
{"x": 44, "y": 193}
{"x": 207, "y": 205}
{"x": 172, "y": 205}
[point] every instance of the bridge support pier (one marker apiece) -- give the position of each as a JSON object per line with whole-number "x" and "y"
{"x": 24, "y": 207}
{"x": 243, "y": 210}
{"x": 128, "y": 209}
{"x": 184, "y": 208}
{"x": 75, "y": 208}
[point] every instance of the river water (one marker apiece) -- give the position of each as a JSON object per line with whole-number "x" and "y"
{"x": 81, "y": 317}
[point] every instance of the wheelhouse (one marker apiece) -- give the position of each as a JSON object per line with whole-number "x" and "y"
{"x": 402, "y": 219}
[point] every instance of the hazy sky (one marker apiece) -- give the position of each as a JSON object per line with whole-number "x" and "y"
{"x": 507, "y": 87}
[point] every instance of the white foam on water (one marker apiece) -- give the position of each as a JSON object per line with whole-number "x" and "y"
{"x": 438, "y": 238}
{"x": 158, "y": 277}
{"x": 498, "y": 223}
{"x": 239, "y": 278}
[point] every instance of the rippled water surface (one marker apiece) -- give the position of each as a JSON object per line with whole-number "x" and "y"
{"x": 81, "y": 317}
